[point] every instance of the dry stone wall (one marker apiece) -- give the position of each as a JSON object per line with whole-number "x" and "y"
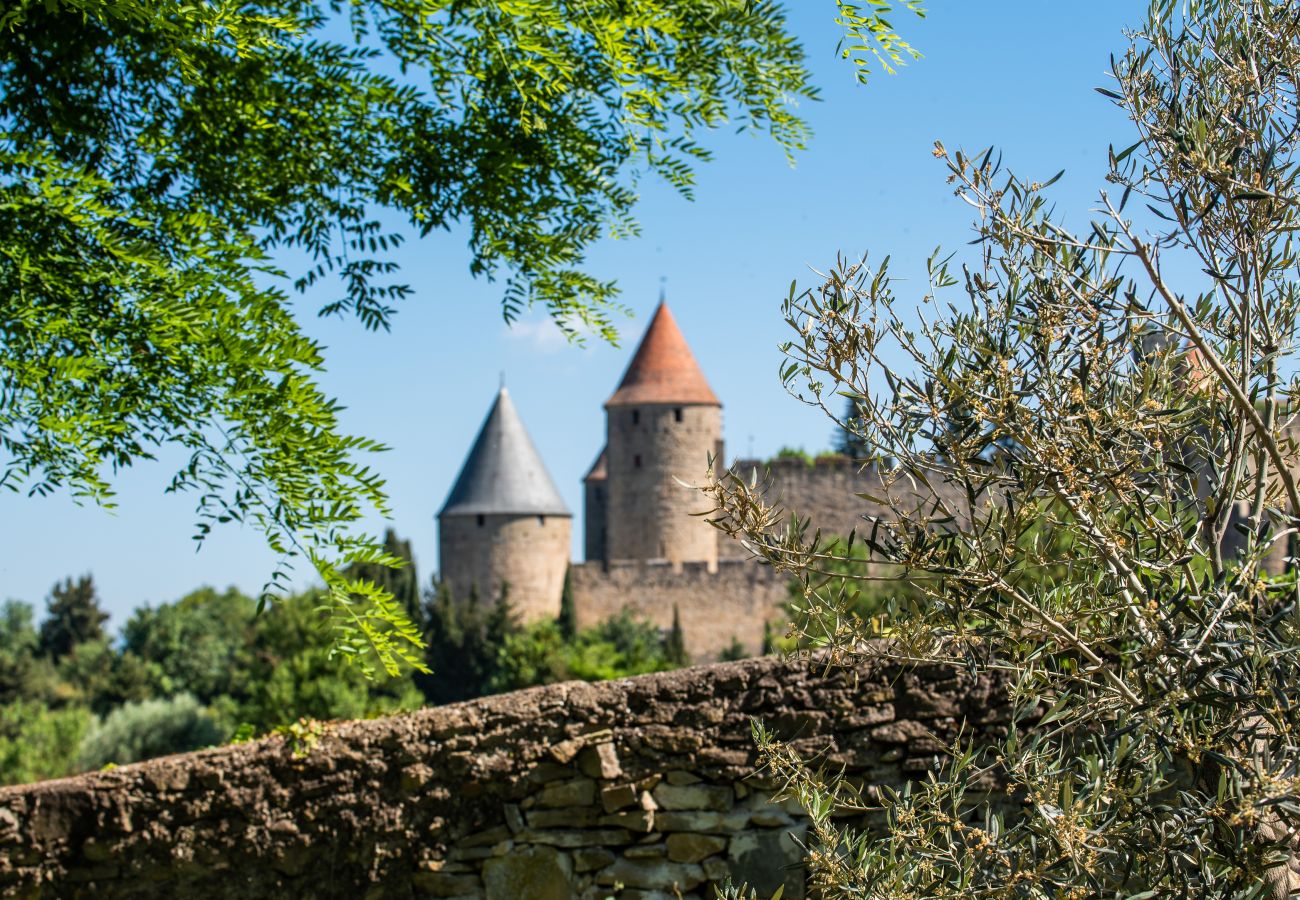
{"x": 637, "y": 789}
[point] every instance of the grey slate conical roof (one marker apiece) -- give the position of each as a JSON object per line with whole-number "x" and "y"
{"x": 504, "y": 473}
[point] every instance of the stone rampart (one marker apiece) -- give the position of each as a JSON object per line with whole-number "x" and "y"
{"x": 825, "y": 492}
{"x": 639, "y": 789}
{"x": 717, "y": 604}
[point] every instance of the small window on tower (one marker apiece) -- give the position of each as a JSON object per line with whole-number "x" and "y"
{"x": 541, "y": 520}
{"x": 482, "y": 520}
{"x": 677, "y": 414}
{"x": 636, "y": 461}
{"x": 636, "y": 417}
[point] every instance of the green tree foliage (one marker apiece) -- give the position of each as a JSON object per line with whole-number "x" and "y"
{"x": 221, "y": 670}
{"x": 1091, "y": 519}
{"x": 622, "y": 645}
{"x": 869, "y": 38}
{"x": 72, "y": 618}
{"x": 202, "y": 645}
{"x": 402, "y": 582}
{"x": 463, "y": 642}
{"x": 146, "y": 729}
{"x": 865, "y": 594}
{"x": 733, "y": 651}
{"x": 475, "y": 649}
{"x": 37, "y": 742}
{"x": 293, "y": 674}
{"x": 18, "y": 650}
{"x": 798, "y": 453}
{"x": 97, "y": 675}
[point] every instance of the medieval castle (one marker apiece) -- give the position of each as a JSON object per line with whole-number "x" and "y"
{"x": 504, "y": 521}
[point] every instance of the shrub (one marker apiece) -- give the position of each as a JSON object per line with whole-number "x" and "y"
{"x": 150, "y": 728}
{"x": 37, "y": 742}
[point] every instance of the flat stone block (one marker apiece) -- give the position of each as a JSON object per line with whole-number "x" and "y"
{"x": 654, "y": 874}
{"x": 694, "y": 796}
{"x": 535, "y": 873}
{"x": 691, "y": 848}
{"x": 578, "y": 792}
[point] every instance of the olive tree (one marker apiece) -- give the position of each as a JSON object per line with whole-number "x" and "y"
{"x": 1091, "y": 482}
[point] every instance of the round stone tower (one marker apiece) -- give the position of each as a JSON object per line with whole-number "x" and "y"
{"x": 504, "y": 522}
{"x": 661, "y": 425}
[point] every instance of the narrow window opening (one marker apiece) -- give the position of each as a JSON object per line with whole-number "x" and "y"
{"x": 636, "y": 461}
{"x": 677, "y": 414}
{"x": 482, "y": 520}
{"x": 636, "y": 417}
{"x": 541, "y": 520}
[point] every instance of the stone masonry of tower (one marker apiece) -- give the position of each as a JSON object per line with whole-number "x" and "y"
{"x": 662, "y": 425}
{"x": 504, "y": 522}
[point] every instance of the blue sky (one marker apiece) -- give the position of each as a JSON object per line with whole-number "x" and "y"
{"x": 1018, "y": 74}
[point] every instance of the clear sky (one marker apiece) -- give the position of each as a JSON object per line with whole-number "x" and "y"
{"x": 1018, "y": 74}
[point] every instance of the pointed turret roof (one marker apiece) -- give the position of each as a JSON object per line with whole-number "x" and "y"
{"x": 663, "y": 370}
{"x": 504, "y": 473}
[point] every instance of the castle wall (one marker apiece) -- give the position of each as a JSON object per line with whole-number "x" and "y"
{"x": 649, "y": 513}
{"x": 826, "y": 493}
{"x": 823, "y": 492}
{"x": 716, "y": 604}
{"x": 527, "y": 552}
{"x": 639, "y": 788}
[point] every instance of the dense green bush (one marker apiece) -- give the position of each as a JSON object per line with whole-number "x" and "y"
{"x": 37, "y": 742}
{"x": 148, "y": 728}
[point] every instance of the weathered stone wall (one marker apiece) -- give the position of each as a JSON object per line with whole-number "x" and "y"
{"x": 566, "y": 791}
{"x": 717, "y": 604}
{"x": 649, "y": 447}
{"x": 527, "y": 552}
{"x": 824, "y": 492}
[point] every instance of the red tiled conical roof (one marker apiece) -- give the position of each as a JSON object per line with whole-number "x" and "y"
{"x": 663, "y": 370}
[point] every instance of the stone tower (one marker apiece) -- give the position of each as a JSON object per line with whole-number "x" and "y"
{"x": 661, "y": 425}
{"x": 504, "y": 522}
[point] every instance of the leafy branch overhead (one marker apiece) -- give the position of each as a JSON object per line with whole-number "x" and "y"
{"x": 870, "y": 37}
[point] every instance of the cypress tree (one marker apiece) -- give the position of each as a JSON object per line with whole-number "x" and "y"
{"x": 734, "y": 651}
{"x": 567, "y": 621}
{"x": 675, "y": 643}
{"x": 846, "y": 440}
{"x": 769, "y": 640}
